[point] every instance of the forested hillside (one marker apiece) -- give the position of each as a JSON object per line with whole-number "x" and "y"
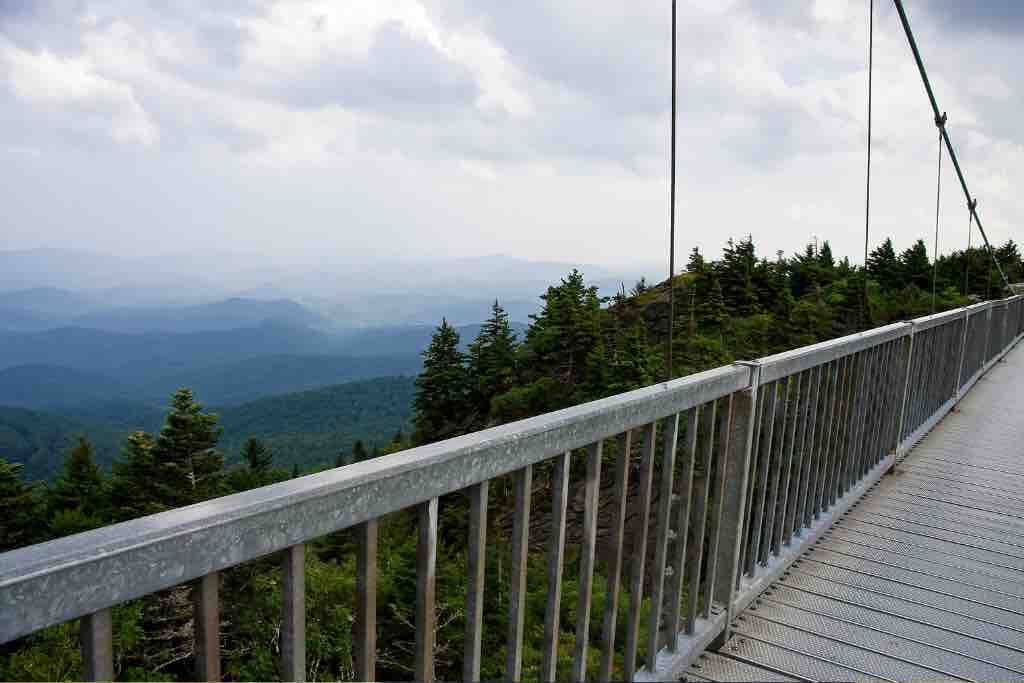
{"x": 578, "y": 347}
{"x": 308, "y": 430}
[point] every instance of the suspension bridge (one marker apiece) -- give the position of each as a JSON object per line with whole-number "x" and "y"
{"x": 847, "y": 510}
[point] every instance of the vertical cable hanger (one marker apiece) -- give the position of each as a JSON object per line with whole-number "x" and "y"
{"x": 672, "y": 204}
{"x": 940, "y": 123}
{"x": 867, "y": 193}
{"x": 971, "y": 206}
{"x": 945, "y": 135}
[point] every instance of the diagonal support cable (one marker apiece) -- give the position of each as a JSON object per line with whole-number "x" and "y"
{"x": 945, "y": 134}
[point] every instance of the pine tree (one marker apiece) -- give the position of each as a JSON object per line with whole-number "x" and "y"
{"x": 884, "y": 268}
{"x": 695, "y": 264}
{"x": 563, "y": 334}
{"x": 180, "y": 467}
{"x": 442, "y": 388}
{"x": 186, "y": 452}
{"x": 135, "y": 485}
{"x": 359, "y": 453}
{"x": 19, "y": 508}
{"x": 492, "y": 362}
{"x": 917, "y": 269}
{"x": 78, "y": 499}
{"x": 257, "y": 457}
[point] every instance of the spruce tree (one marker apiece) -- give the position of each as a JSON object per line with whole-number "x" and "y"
{"x": 359, "y": 452}
{"x": 917, "y": 269}
{"x": 442, "y": 388}
{"x": 134, "y": 487}
{"x": 78, "y": 499}
{"x": 492, "y": 362}
{"x": 19, "y": 509}
{"x": 257, "y": 456}
{"x": 186, "y": 452}
{"x": 884, "y": 267}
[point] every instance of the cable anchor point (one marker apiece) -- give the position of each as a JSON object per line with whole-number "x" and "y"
{"x": 940, "y": 121}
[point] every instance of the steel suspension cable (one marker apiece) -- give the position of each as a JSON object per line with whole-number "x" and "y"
{"x": 672, "y": 205}
{"x": 867, "y": 192}
{"x": 967, "y": 254}
{"x": 945, "y": 135}
{"x": 939, "y": 123}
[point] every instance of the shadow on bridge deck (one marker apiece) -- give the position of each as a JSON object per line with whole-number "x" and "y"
{"x": 922, "y": 579}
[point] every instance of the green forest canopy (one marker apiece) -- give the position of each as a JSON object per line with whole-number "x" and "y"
{"x": 578, "y": 347}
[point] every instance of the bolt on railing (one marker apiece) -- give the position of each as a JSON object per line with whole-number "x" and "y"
{"x": 738, "y": 469}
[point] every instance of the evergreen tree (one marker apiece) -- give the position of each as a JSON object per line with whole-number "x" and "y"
{"x": 78, "y": 499}
{"x": 917, "y": 269}
{"x": 492, "y": 362}
{"x": 695, "y": 264}
{"x": 186, "y": 452}
{"x": 19, "y": 508}
{"x": 884, "y": 267}
{"x": 257, "y": 457}
{"x": 442, "y": 389}
{"x": 135, "y": 489}
{"x": 359, "y": 453}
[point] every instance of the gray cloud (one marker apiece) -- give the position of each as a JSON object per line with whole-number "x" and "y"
{"x": 537, "y": 128}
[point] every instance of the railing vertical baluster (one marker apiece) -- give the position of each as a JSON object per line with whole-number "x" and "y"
{"x": 878, "y": 399}
{"x": 828, "y": 429}
{"x": 747, "y": 558}
{"x": 846, "y": 416}
{"x": 776, "y": 447}
{"x": 848, "y": 445}
{"x": 673, "y": 603}
{"x": 908, "y": 365}
{"x": 96, "y": 638}
{"x": 836, "y": 430}
{"x": 293, "y": 607}
{"x": 556, "y": 553}
{"x": 737, "y": 451}
{"x": 761, "y": 486}
{"x": 791, "y": 480}
{"x": 366, "y": 601}
{"x": 718, "y": 510}
{"x": 591, "y": 488}
{"x": 517, "y": 594}
{"x": 475, "y": 568}
{"x": 699, "y": 514}
{"x": 661, "y": 548}
{"x": 636, "y": 572}
{"x": 864, "y": 405}
{"x": 426, "y": 564}
{"x": 611, "y": 600}
{"x": 206, "y": 617}
{"x": 808, "y": 458}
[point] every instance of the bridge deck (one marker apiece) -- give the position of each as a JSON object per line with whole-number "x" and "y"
{"x": 922, "y": 579}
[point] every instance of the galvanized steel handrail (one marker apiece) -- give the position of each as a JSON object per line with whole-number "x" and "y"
{"x": 755, "y": 461}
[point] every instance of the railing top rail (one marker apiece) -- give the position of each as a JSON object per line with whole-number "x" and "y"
{"x": 53, "y": 582}
{"x": 934, "y": 320}
{"x": 789, "y": 363}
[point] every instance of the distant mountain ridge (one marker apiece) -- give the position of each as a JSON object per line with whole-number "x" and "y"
{"x": 307, "y": 428}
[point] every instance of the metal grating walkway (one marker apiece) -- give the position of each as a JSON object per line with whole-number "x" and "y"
{"x": 922, "y": 579}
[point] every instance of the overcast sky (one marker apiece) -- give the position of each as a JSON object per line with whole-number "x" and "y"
{"x": 348, "y": 129}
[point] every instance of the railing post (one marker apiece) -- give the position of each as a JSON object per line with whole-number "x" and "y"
{"x": 293, "y": 623}
{"x": 206, "y": 611}
{"x": 366, "y": 601}
{"x": 906, "y": 391}
{"x": 97, "y": 641}
{"x": 734, "y": 503}
{"x": 963, "y": 354}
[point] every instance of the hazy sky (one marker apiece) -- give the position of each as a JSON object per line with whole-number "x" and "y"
{"x": 353, "y": 128}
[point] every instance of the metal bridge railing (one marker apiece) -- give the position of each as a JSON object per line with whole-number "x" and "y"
{"x": 739, "y": 470}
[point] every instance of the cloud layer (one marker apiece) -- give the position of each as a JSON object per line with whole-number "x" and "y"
{"x": 352, "y": 129}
